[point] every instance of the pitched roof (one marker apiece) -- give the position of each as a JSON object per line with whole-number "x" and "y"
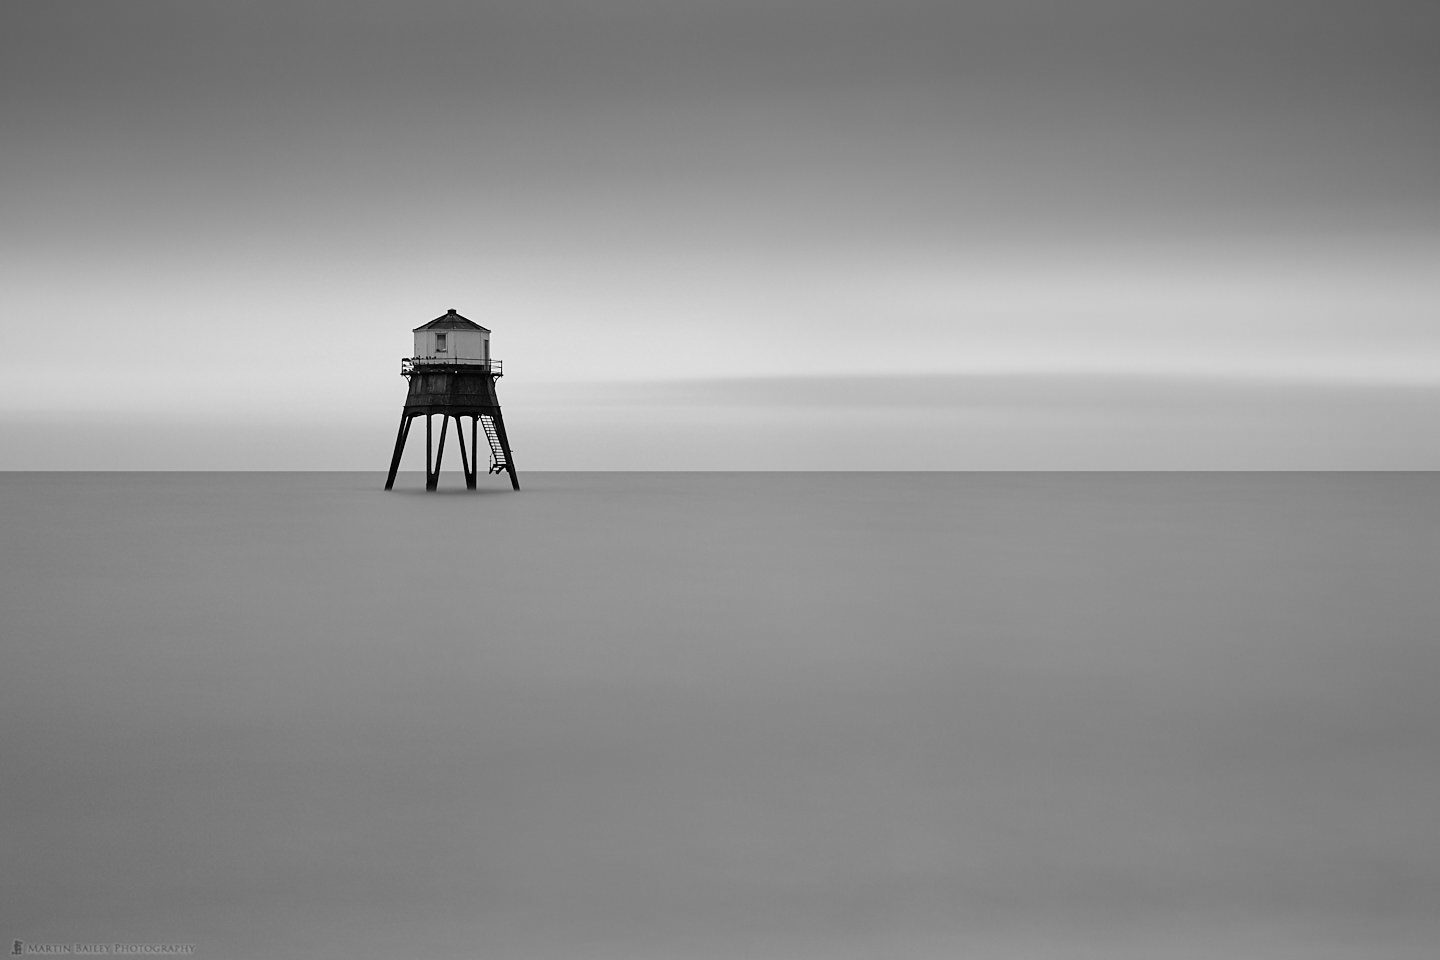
{"x": 450, "y": 321}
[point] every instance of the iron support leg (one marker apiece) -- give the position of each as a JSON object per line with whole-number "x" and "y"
{"x": 474, "y": 449}
{"x": 439, "y": 452}
{"x": 464, "y": 460}
{"x": 400, "y": 436}
{"x": 505, "y": 445}
{"x": 429, "y": 451}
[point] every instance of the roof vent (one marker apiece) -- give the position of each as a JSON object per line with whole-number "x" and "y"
{"x": 452, "y": 312}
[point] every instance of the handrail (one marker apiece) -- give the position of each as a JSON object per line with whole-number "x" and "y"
{"x": 408, "y": 364}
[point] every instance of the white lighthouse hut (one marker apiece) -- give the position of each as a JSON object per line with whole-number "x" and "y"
{"x": 452, "y": 339}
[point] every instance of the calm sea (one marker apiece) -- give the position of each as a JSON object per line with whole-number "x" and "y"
{"x": 723, "y": 715}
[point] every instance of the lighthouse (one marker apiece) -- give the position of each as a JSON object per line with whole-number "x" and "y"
{"x": 451, "y": 375}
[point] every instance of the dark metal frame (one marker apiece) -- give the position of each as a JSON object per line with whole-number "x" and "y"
{"x": 469, "y": 391}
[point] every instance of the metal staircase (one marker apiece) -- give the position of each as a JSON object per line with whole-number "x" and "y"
{"x": 497, "y": 449}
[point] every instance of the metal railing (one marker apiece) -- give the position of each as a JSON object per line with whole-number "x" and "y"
{"x": 408, "y": 365}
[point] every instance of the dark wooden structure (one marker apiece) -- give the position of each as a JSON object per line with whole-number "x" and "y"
{"x": 454, "y": 388}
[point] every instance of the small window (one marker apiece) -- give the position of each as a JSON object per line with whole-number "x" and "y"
{"x": 439, "y": 343}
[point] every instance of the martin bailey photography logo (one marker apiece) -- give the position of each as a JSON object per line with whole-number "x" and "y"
{"x": 20, "y": 948}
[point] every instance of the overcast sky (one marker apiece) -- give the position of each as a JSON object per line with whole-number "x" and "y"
{"x": 222, "y": 221}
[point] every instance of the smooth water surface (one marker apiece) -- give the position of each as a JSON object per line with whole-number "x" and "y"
{"x": 723, "y": 715}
